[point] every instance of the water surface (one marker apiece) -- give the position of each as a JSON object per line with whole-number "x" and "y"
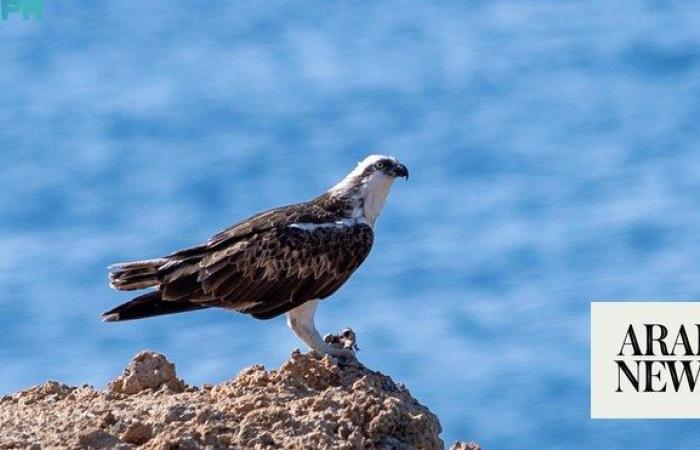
{"x": 553, "y": 150}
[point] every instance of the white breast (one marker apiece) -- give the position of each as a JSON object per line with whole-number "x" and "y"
{"x": 374, "y": 192}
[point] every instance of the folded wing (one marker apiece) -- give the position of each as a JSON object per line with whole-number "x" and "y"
{"x": 271, "y": 272}
{"x": 263, "y": 266}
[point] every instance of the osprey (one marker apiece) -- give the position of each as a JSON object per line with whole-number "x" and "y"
{"x": 279, "y": 261}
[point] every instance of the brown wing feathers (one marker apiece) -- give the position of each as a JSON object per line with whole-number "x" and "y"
{"x": 263, "y": 266}
{"x": 278, "y": 268}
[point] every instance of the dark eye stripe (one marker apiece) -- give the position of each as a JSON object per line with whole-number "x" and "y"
{"x": 383, "y": 163}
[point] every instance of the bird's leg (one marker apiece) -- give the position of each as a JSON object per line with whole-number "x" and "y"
{"x": 301, "y": 321}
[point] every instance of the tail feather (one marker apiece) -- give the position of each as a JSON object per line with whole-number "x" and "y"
{"x": 135, "y": 275}
{"x": 148, "y": 305}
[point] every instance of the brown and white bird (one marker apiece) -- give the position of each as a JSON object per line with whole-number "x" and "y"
{"x": 279, "y": 261}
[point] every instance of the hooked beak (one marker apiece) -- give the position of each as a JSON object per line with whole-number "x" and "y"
{"x": 399, "y": 170}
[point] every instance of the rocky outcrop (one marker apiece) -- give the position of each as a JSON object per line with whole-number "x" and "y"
{"x": 309, "y": 402}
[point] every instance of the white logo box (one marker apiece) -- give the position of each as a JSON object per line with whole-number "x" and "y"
{"x": 610, "y": 329}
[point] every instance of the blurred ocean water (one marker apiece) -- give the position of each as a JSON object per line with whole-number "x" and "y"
{"x": 553, "y": 149}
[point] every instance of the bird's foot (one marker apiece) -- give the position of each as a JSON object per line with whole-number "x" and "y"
{"x": 342, "y": 346}
{"x": 335, "y": 350}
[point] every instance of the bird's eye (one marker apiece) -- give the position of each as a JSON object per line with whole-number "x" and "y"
{"x": 380, "y": 165}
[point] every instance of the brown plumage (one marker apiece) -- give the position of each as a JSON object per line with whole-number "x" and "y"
{"x": 270, "y": 263}
{"x": 261, "y": 266}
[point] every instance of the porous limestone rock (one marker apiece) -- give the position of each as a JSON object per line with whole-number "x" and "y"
{"x": 309, "y": 402}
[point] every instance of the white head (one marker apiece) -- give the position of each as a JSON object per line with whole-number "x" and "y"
{"x": 368, "y": 185}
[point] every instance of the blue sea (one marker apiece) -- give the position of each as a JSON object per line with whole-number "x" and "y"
{"x": 554, "y": 150}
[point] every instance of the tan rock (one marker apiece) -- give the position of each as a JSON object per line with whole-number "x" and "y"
{"x": 309, "y": 402}
{"x": 148, "y": 370}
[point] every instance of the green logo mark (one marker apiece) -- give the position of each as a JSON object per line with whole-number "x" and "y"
{"x": 29, "y": 9}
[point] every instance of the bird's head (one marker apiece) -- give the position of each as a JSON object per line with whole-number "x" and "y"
{"x": 373, "y": 169}
{"x": 383, "y": 166}
{"x": 369, "y": 183}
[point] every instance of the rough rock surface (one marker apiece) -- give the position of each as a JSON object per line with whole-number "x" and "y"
{"x": 309, "y": 402}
